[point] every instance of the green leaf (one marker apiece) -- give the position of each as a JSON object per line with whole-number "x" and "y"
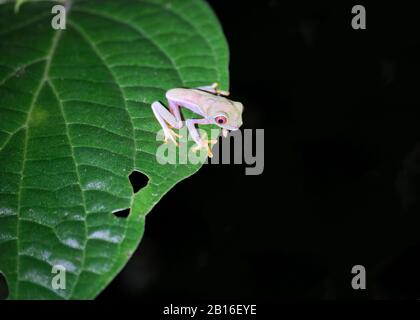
{"x": 75, "y": 121}
{"x": 18, "y": 4}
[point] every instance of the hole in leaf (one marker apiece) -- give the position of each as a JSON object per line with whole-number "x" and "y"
{"x": 138, "y": 180}
{"x": 123, "y": 213}
{"x": 4, "y": 288}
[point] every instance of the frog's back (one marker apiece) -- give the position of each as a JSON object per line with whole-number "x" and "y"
{"x": 192, "y": 95}
{"x": 196, "y": 100}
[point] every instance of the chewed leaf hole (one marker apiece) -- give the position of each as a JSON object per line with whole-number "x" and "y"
{"x": 4, "y": 288}
{"x": 123, "y": 213}
{"x": 138, "y": 180}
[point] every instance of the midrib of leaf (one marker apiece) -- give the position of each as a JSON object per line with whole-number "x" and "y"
{"x": 91, "y": 43}
{"x": 99, "y": 55}
{"x": 25, "y": 127}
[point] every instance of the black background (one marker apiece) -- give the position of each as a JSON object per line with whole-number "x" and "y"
{"x": 340, "y": 109}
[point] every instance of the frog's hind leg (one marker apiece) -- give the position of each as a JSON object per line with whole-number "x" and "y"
{"x": 167, "y": 119}
{"x": 213, "y": 88}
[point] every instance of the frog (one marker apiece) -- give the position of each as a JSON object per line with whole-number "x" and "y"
{"x": 209, "y": 102}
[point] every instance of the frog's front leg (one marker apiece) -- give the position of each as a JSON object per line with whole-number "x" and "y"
{"x": 166, "y": 118}
{"x": 201, "y": 143}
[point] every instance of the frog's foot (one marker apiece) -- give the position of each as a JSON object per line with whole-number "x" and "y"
{"x": 215, "y": 87}
{"x": 171, "y": 135}
{"x": 205, "y": 145}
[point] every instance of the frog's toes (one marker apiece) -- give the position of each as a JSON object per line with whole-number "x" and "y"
{"x": 205, "y": 145}
{"x": 215, "y": 87}
{"x": 176, "y": 134}
{"x": 171, "y": 135}
{"x": 197, "y": 147}
{"x": 212, "y": 141}
{"x": 166, "y": 139}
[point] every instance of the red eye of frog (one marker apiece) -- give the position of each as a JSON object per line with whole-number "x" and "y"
{"x": 221, "y": 119}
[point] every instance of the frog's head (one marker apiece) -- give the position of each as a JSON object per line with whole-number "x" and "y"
{"x": 227, "y": 114}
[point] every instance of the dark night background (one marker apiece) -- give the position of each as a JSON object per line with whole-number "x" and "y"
{"x": 341, "y": 113}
